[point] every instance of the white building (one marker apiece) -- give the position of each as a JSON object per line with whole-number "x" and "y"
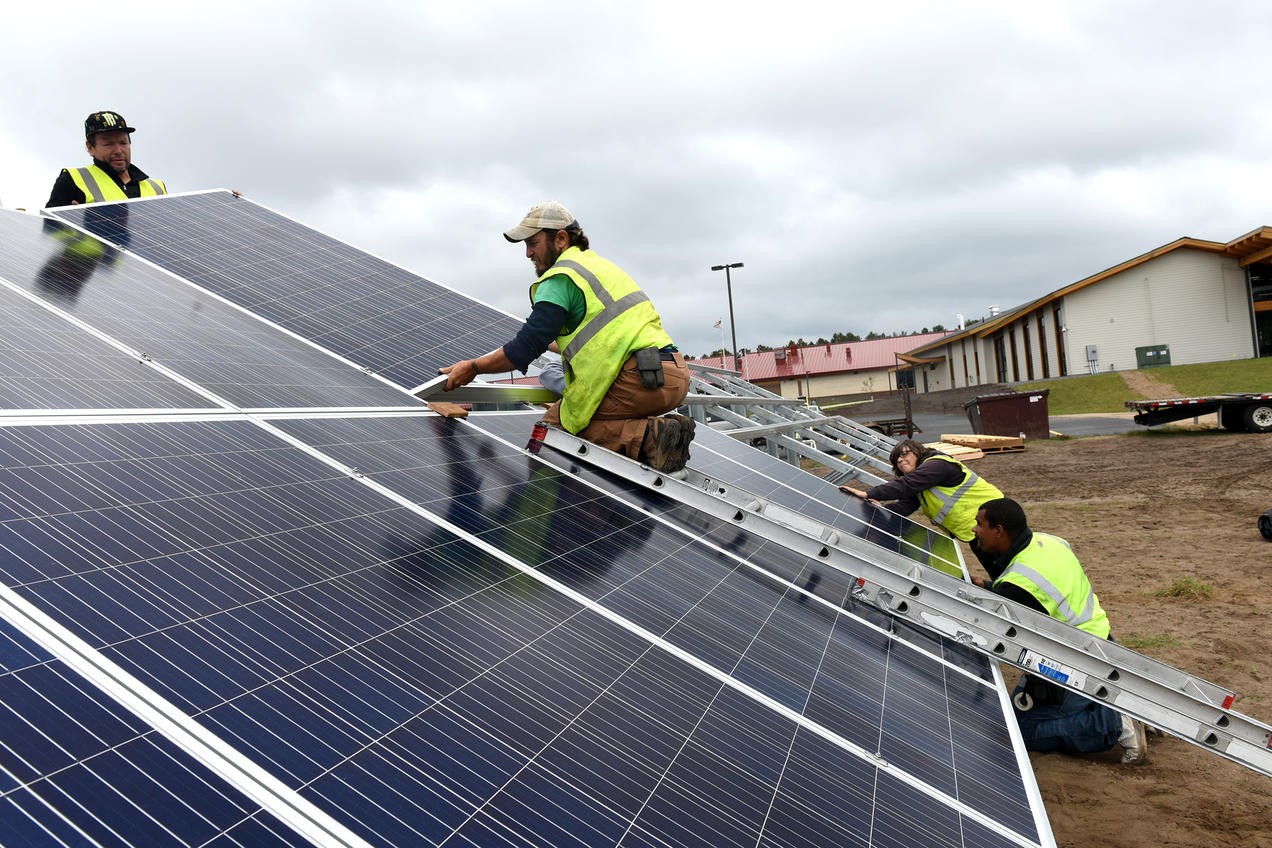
{"x": 1187, "y": 301}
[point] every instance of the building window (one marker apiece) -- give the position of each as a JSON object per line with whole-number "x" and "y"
{"x": 1260, "y": 282}
{"x": 1024, "y": 335}
{"x": 1061, "y": 341}
{"x": 1042, "y": 346}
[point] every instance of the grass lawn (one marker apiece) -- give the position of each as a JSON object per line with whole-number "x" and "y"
{"x": 1108, "y": 392}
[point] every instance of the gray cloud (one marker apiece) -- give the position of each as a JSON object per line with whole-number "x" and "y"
{"x": 875, "y": 168}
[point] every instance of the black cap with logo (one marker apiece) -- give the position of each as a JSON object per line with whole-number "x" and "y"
{"x": 105, "y": 122}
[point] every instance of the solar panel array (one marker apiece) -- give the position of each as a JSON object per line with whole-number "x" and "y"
{"x": 382, "y": 317}
{"x": 235, "y": 614}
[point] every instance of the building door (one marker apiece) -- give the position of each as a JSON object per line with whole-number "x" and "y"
{"x": 1260, "y": 275}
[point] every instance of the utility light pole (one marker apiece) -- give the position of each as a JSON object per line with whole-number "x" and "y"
{"x": 733, "y": 330}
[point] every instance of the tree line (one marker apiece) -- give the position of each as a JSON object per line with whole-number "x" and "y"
{"x": 837, "y": 338}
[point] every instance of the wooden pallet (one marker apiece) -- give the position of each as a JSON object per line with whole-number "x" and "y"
{"x": 987, "y": 444}
{"x": 962, "y": 453}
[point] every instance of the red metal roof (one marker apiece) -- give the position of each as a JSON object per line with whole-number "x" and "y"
{"x": 820, "y": 360}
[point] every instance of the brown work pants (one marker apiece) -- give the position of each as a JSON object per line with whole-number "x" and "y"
{"x": 619, "y": 422}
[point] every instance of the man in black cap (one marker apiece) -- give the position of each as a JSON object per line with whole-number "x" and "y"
{"x": 112, "y": 176}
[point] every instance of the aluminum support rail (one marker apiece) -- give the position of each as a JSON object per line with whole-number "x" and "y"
{"x": 753, "y": 430}
{"x": 482, "y": 392}
{"x": 733, "y": 400}
{"x": 1154, "y": 692}
{"x": 774, "y": 435}
{"x": 733, "y": 391}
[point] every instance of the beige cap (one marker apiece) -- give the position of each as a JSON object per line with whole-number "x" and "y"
{"x": 542, "y": 216}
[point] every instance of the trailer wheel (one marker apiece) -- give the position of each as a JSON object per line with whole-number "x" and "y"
{"x": 1232, "y": 418}
{"x": 1265, "y": 525}
{"x": 1258, "y": 418}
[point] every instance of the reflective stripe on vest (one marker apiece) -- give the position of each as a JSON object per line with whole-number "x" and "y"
{"x": 611, "y": 309}
{"x": 954, "y": 507}
{"x": 949, "y": 499}
{"x": 1052, "y": 555}
{"x": 99, "y": 187}
{"x": 618, "y": 320}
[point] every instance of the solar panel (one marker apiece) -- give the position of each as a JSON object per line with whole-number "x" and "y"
{"x": 223, "y": 349}
{"x": 376, "y": 314}
{"x": 337, "y": 633}
{"x": 723, "y": 457}
{"x": 64, "y": 740}
{"x": 371, "y": 626}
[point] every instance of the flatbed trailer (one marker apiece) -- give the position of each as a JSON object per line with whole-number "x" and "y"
{"x": 1242, "y": 411}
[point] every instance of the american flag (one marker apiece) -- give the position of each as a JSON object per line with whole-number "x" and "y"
{"x": 716, "y": 325}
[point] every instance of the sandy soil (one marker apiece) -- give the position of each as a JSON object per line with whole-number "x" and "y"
{"x": 1142, "y": 512}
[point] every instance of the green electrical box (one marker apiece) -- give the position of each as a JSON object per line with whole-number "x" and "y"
{"x": 1152, "y": 356}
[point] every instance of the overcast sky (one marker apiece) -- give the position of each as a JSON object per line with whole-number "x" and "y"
{"x": 876, "y": 166}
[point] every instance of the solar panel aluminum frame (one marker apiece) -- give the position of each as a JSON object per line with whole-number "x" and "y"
{"x": 233, "y": 766}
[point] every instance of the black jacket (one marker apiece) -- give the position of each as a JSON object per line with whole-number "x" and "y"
{"x": 65, "y": 192}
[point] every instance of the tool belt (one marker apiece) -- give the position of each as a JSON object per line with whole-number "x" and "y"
{"x": 649, "y": 361}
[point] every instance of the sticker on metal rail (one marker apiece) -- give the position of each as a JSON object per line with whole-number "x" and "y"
{"x": 1052, "y": 669}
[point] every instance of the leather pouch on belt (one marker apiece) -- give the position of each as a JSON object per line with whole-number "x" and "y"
{"x": 649, "y": 363}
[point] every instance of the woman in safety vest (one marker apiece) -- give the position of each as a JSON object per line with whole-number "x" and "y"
{"x": 945, "y": 489}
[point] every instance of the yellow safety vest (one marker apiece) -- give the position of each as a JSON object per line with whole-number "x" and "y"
{"x": 619, "y": 320}
{"x": 1048, "y": 570}
{"x": 98, "y": 186}
{"x": 955, "y": 507}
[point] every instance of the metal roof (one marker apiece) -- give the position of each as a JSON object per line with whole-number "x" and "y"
{"x": 824, "y": 359}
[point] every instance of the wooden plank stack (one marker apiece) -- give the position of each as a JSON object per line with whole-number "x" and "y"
{"x": 986, "y": 444}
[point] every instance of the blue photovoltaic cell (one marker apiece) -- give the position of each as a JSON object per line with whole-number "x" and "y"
{"x": 643, "y": 570}
{"x": 419, "y": 688}
{"x": 811, "y": 496}
{"x": 63, "y": 740}
{"x": 48, "y": 363}
{"x": 240, "y": 358}
{"x": 386, "y": 319}
{"x": 718, "y": 455}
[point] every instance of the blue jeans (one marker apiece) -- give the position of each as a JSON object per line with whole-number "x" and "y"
{"x": 1077, "y": 725}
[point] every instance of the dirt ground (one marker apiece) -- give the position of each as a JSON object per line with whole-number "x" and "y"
{"x": 1145, "y": 512}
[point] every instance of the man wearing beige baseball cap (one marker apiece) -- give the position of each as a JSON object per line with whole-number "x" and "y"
{"x": 622, "y": 371}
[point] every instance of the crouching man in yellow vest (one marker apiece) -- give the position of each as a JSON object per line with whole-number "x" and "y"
{"x": 112, "y": 176}
{"x": 1041, "y": 572}
{"x": 622, "y": 371}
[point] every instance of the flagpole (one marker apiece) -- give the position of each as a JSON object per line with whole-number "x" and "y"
{"x": 720, "y": 324}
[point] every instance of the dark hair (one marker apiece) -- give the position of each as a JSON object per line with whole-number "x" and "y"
{"x": 575, "y": 232}
{"x": 914, "y": 446}
{"x": 1007, "y": 514}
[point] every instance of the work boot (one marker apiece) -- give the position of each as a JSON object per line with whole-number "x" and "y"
{"x": 1134, "y": 742}
{"x": 687, "y": 426}
{"x": 666, "y": 444}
